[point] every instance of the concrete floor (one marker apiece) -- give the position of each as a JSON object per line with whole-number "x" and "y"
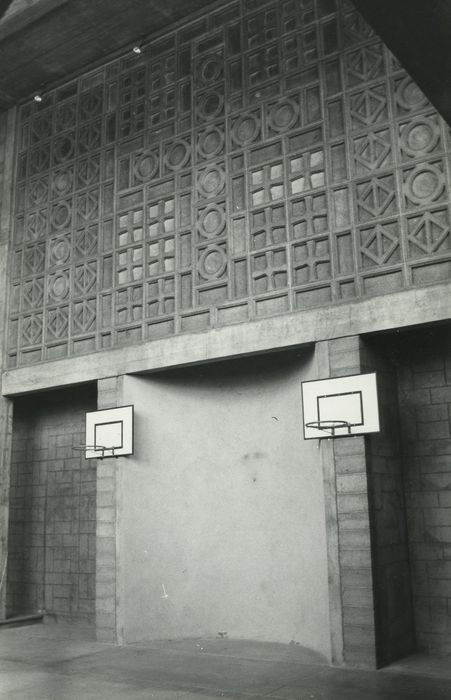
{"x": 50, "y": 662}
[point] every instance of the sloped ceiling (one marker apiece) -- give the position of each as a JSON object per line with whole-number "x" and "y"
{"x": 418, "y": 32}
{"x": 42, "y": 41}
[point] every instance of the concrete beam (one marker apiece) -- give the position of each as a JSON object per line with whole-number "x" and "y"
{"x": 383, "y": 313}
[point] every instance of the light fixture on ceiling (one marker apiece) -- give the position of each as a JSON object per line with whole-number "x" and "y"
{"x": 138, "y": 47}
{"x": 38, "y": 96}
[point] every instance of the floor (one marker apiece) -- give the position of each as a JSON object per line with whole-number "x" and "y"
{"x": 49, "y": 662}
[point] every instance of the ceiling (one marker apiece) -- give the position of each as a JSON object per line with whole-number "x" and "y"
{"x": 418, "y": 32}
{"x": 42, "y": 41}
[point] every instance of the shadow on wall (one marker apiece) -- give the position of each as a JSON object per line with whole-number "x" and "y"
{"x": 52, "y": 519}
{"x": 410, "y": 489}
{"x": 236, "y": 372}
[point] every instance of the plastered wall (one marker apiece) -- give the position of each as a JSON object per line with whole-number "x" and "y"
{"x": 221, "y": 527}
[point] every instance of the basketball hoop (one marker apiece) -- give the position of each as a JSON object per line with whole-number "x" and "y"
{"x": 338, "y": 407}
{"x": 329, "y": 426}
{"x": 95, "y": 448}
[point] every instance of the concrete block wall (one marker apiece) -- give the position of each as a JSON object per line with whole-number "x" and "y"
{"x": 425, "y": 405}
{"x": 395, "y": 635}
{"x": 52, "y": 519}
{"x": 108, "y": 396}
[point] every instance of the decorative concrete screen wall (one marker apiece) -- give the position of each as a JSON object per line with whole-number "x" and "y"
{"x": 264, "y": 158}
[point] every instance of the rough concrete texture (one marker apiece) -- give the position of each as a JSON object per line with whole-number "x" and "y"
{"x": 50, "y": 662}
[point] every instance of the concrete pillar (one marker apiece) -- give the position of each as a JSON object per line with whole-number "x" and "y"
{"x": 109, "y": 396}
{"x": 351, "y": 601}
{"x": 7, "y": 121}
{"x": 6, "y": 419}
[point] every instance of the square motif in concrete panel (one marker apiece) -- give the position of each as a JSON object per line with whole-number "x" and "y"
{"x": 341, "y": 406}
{"x": 109, "y": 433}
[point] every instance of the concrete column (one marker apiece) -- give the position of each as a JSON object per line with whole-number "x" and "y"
{"x": 7, "y": 129}
{"x": 351, "y": 600}
{"x": 109, "y": 396}
{"x": 6, "y": 420}
{"x": 331, "y": 514}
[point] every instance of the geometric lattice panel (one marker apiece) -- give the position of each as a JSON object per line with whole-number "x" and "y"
{"x": 263, "y": 158}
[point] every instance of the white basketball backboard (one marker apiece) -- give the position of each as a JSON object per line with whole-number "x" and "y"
{"x": 109, "y": 432}
{"x": 340, "y": 407}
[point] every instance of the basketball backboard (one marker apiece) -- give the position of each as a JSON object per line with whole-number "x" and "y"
{"x": 109, "y": 432}
{"x": 340, "y": 407}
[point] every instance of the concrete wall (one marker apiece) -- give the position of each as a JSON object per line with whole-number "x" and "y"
{"x": 221, "y": 509}
{"x": 425, "y": 405}
{"x": 51, "y": 562}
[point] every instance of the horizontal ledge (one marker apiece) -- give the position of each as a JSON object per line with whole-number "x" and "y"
{"x": 395, "y": 311}
{"x": 21, "y": 619}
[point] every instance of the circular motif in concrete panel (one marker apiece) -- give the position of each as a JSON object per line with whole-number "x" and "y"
{"x": 424, "y": 184}
{"x": 409, "y": 95}
{"x": 283, "y": 115}
{"x": 212, "y": 262}
{"x": 177, "y": 154}
{"x": 211, "y": 181}
{"x": 419, "y": 137}
{"x": 146, "y": 165}
{"x": 60, "y": 250}
{"x": 61, "y": 215}
{"x": 59, "y": 287}
{"x": 210, "y": 105}
{"x": 245, "y": 129}
{"x": 211, "y": 142}
{"x": 210, "y": 69}
{"x": 62, "y": 182}
{"x": 212, "y": 221}
{"x": 63, "y": 149}
{"x": 90, "y": 105}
